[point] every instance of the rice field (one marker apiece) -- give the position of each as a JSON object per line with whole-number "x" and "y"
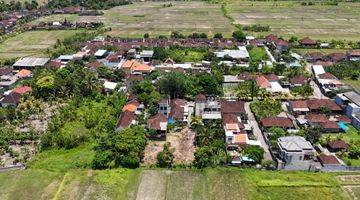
{"x": 141, "y": 184}
{"x": 32, "y": 43}
{"x": 290, "y": 18}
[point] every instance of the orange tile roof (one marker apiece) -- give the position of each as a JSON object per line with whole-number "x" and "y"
{"x": 263, "y": 82}
{"x": 142, "y": 68}
{"x": 232, "y": 127}
{"x": 131, "y": 106}
{"x": 240, "y": 138}
{"x": 24, "y": 73}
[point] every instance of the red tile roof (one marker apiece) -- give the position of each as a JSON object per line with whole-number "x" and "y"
{"x": 154, "y": 121}
{"x": 338, "y": 144}
{"x": 234, "y": 107}
{"x": 125, "y": 119}
{"x": 94, "y": 65}
{"x": 343, "y": 118}
{"x": 354, "y": 53}
{"x": 315, "y": 104}
{"x": 177, "y": 108}
{"x": 327, "y": 75}
{"x": 329, "y": 125}
{"x": 272, "y": 77}
{"x": 324, "y": 63}
{"x": 231, "y": 119}
{"x": 328, "y": 159}
{"x": 336, "y": 57}
{"x": 299, "y": 80}
{"x": 5, "y": 71}
{"x": 263, "y": 82}
{"x": 316, "y": 118}
{"x": 299, "y": 104}
{"x": 282, "y": 122}
{"x": 22, "y": 90}
{"x": 307, "y": 41}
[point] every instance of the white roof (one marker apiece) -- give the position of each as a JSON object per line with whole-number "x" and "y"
{"x": 294, "y": 143}
{"x": 230, "y": 78}
{"x": 147, "y": 53}
{"x": 318, "y": 69}
{"x": 276, "y": 87}
{"x": 110, "y": 85}
{"x": 66, "y": 57}
{"x": 253, "y": 142}
{"x": 239, "y": 53}
{"x": 31, "y": 62}
{"x": 100, "y": 52}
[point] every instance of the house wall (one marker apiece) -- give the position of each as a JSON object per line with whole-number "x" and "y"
{"x": 355, "y": 122}
{"x": 294, "y": 161}
{"x": 352, "y": 109}
{"x": 199, "y": 108}
{"x": 332, "y": 168}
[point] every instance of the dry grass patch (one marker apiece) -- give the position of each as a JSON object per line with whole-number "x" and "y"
{"x": 288, "y": 18}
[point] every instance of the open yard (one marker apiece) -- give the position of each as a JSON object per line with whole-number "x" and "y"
{"x": 288, "y": 18}
{"x": 154, "y": 18}
{"x": 32, "y": 43}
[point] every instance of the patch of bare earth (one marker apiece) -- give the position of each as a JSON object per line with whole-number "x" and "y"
{"x": 181, "y": 142}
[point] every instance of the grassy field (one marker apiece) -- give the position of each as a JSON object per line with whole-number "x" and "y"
{"x": 47, "y": 179}
{"x": 323, "y": 51}
{"x": 291, "y": 18}
{"x": 151, "y": 17}
{"x": 32, "y": 43}
{"x": 258, "y": 54}
{"x": 220, "y": 183}
{"x": 354, "y": 83}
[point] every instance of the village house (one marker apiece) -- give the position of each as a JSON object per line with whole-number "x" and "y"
{"x": 298, "y": 107}
{"x": 270, "y": 83}
{"x": 240, "y": 55}
{"x": 298, "y": 81}
{"x": 126, "y": 119}
{"x": 322, "y": 121}
{"x": 350, "y": 101}
{"x": 353, "y": 55}
{"x": 331, "y": 163}
{"x": 337, "y": 145}
{"x": 207, "y": 107}
{"x": 276, "y": 122}
{"x": 336, "y": 57}
{"x": 101, "y": 53}
{"x": 30, "y": 63}
{"x": 307, "y": 42}
{"x": 179, "y": 110}
{"x": 164, "y": 106}
{"x": 296, "y": 153}
{"x": 314, "y": 57}
{"x": 158, "y": 123}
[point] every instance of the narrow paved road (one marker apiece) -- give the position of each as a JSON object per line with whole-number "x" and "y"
{"x": 257, "y": 132}
{"x": 317, "y": 94}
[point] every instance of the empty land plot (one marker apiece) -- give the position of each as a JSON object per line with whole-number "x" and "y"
{"x": 291, "y": 18}
{"x": 152, "y": 17}
{"x": 32, "y": 43}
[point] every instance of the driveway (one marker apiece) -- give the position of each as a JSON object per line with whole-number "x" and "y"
{"x": 257, "y": 132}
{"x": 317, "y": 94}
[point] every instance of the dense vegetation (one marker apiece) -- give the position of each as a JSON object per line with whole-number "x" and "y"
{"x": 91, "y": 4}
{"x": 211, "y": 147}
{"x": 266, "y": 108}
{"x": 346, "y": 70}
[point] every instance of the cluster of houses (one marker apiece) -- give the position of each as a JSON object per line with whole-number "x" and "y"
{"x": 12, "y": 18}
{"x": 136, "y": 60}
{"x": 63, "y": 25}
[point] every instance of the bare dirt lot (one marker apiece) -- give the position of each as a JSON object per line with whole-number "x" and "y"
{"x": 182, "y": 142}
